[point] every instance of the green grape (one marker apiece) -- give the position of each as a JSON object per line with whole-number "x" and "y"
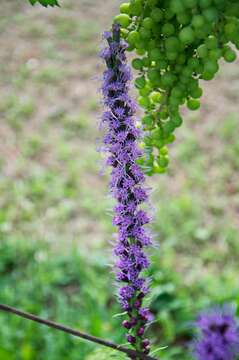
{"x": 211, "y": 14}
{"x": 176, "y": 6}
{"x": 152, "y": 44}
{"x": 184, "y": 18}
{"x": 174, "y": 101}
{"x": 187, "y": 35}
{"x": 159, "y": 142}
{"x": 163, "y": 151}
{"x": 155, "y": 96}
{"x": 193, "y": 63}
{"x": 148, "y": 23}
{"x": 144, "y": 101}
{"x": 122, "y": 19}
{"x": 170, "y": 139}
{"x": 124, "y": 33}
{"x": 181, "y": 59}
{"x": 146, "y": 61}
{"x": 163, "y": 115}
{"x": 211, "y": 42}
{"x": 168, "y": 29}
{"x": 202, "y": 51}
{"x": 172, "y": 56}
{"x": 169, "y": 127}
{"x": 177, "y": 120}
{"x": 158, "y": 170}
{"x": 162, "y": 64}
{"x": 184, "y": 79}
{"x": 230, "y": 27}
{"x": 146, "y": 90}
{"x": 157, "y": 15}
{"x": 153, "y": 75}
{"x": 133, "y": 37}
{"x": 196, "y": 93}
{"x": 207, "y": 75}
{"x": 125, "y": 8}
{"x": 187, "y": 72}
{"x": 232, "y": 10}
{"x": 172, "y": 44}
{"x": 136, "y": 7}
{"x": 140, "y": 52}
{"x": 140, "y": 82}
{"x": 163, "y": 161}
{"x": 198, "y": 21}
{"x": 215, "y": 54}
{"x": 190, "y": 3}
{"x": 156, "y": 54}
{"x": 211, "y": 66}
{"x": 140, "y": 45}
{"x": 137, "y": 64}
{"x": 156, "y": 29}
{"x": 193, "y": 84}
{"x": 193, "y": 104}
{"x": 168, "y": 79}
{"x": 144, "y": 33}
{"x": 177, "y": 92}
{"x": 220, "y": 3}
{"x": 205, "y": 3}
{"x": 156, "y": 134}
{"x": 152, "y": 3}
{"x": 201, "y": 33}
{"x": 169, "y": 14}
{"x": 178, "y": 68}
{"x": 230, "y": 55}
{"x": 148, "y": 120}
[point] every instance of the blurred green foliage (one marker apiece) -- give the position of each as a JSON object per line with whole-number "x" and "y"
{"x": 71, "y": 288}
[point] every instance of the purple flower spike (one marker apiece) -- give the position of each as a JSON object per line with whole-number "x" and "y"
{"x": 218, "y": 335}
{"x": 126, "y": 186}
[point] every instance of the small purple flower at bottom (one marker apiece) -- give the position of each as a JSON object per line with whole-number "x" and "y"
{"x": 218, "y": 337}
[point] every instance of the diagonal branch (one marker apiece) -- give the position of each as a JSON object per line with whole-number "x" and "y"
{"x": 131, "y": 353}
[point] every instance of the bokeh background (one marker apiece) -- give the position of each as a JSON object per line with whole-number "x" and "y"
{"x": 55, "y": 212}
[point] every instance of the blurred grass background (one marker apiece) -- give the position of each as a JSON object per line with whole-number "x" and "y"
{"x": 55, "y": 214}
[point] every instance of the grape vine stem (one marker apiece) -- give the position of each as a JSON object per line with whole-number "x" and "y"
{"x": 131, "y": 353}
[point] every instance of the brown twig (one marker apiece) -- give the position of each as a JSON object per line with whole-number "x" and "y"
{"x": 131, "y": 353}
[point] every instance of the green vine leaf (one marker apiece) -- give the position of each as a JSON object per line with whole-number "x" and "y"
{"x": 45, "y": 2}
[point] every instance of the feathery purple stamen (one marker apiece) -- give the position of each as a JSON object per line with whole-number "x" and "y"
{"x": 218, "y": 335}
{"x": 127, "y": 188}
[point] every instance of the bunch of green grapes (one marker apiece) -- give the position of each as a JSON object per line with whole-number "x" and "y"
{"x": 177, "y": 44}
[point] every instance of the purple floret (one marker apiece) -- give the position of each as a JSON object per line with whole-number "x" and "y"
{"x": 126, "y": 185}
{"x": 218, "y": 335}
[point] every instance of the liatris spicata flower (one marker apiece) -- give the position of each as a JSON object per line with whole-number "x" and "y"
{"x": 126, "y": 187}
{"x": 218, "y": 335}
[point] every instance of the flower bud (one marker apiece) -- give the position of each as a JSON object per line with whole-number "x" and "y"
{"x": 133, "y": 321}
{"x": 140, "y": 331}
{"x": 137, "y": 304}
{"x": 145, "y": 343}
{"x": 126, "y": 324}
{"x": 141, "y": 295}
{"x": 131, "y": 339}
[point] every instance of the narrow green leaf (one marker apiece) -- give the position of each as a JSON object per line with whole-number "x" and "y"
{"x": 45, "y": 2}
{"x": 120, "y": 314}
